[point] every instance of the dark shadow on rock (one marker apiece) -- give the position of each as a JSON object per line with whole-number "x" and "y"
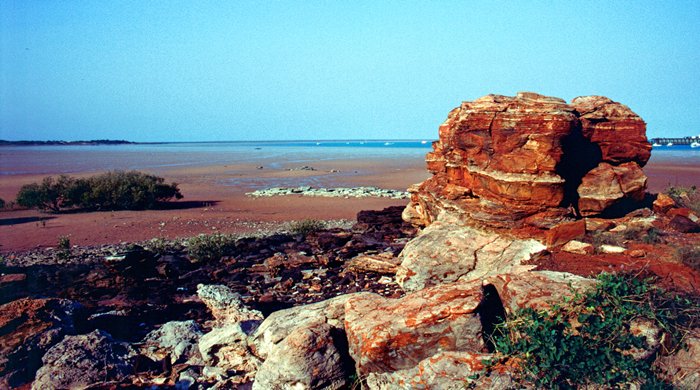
{"x": 579, "y": 157}
{"x": 491, "y": 313}
{"x": 627, "y": 205}
{"x": 21, "y": 220}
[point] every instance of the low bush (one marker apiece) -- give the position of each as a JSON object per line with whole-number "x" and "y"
{"x": 210, "y": 247}
{"x": 587, "y": 340}
{"x": 2, "y": 203}
{"x": 685, "y": 197}
{"x": 64, "y": 251}
{"x": 305, "y": 226}
{"x": 116, "y": 190}
{"x": 162, "y": 246}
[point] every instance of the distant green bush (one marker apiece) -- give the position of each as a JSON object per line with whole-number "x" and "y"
{"x": 162, "y": 246}
{"x": 305, "y": 226}
{"x": 2, "y": 203}
{"x": 210, "y": 247}
{"x": 116, "y": 190}
{"x": 587, "y": 340}
{"x": 64, "y": 247}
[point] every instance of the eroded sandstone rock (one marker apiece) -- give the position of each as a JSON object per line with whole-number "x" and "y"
{"x": 386, "y": 335}
{"x": 445, "y": 252}
{"x": 453, "y": 370}
{"x": 281, "y": 323}
{"x": 517, "y": 162}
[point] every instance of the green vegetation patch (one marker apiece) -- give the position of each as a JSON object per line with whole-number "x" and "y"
{"x": 117, "y": 190}
{"x": 305, "y": 226}
{"x": 587, "y": 340}
{"x": 210, "y": 247}
{"x": 688, "y": 197}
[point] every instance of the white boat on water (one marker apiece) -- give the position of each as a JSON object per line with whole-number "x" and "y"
{"x": 655, "y": 144}
{"x": 695, "y": 144}
{"x": 669, "y": 144}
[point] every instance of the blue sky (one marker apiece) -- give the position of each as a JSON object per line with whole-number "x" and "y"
{"x": 238, "y": 70}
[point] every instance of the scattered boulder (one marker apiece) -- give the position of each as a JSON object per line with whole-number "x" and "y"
{"x": 578, "y": 247}
{"x": 384, "y": 263}
{"x": 227, "y": 307}
{"x": 281, "y": 323}
{"x": 310, "y": 357}
{"x": 393, "y": 334}
{"x": 663, "y": 203}
{"x": 225, "y": 349}
{"x": 175, "y": 342}
{"x": 84, "y": 360}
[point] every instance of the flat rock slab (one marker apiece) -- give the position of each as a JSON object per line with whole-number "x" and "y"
{"x": 392, "y": 334}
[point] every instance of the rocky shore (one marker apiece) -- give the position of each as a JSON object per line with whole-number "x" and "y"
{"x": 355, "y": 192}
{"x": 530, "y": 198}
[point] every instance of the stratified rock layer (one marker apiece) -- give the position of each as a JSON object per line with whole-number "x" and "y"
{"x": 517, "y": 162}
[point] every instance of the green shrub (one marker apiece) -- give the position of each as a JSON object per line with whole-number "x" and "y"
{"x": 162, "y": 246}
{"x": 551, "y": 352}
{"x": 685, "y": 197}
{"x": 2, "y": 203}
{"x": 305, "y": 226}
{"x": 64, "y": 247}
{"x": 116, "y": 190}
{"x": 50, "y": 194}
{"x": 208, "y": 247}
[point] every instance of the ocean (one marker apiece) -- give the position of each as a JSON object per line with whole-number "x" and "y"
{"x": 57, "y": 159}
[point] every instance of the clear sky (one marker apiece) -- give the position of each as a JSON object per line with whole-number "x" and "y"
{"x": 269, "y": 70}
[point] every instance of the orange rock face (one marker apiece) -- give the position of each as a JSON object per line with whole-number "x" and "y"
{"x": 518, "y": 162}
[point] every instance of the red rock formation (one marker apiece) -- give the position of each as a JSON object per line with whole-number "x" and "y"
{"x": 517, "y": 162}
{"x": 619, "y": 132}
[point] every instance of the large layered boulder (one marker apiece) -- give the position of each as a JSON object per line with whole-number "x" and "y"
{"x": 522, "y": 162}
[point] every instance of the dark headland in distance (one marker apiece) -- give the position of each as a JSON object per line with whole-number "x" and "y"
{"x": 42, "y": 143}
{"x": 124, "y": 142}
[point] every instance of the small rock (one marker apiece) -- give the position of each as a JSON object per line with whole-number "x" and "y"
{"x": 612, "y": 249}
{"x": 663, "y": 203}
{"x": 578, "y": 247}
{"x": 637, "y": 253}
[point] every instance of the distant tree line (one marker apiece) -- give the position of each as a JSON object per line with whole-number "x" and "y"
{"x": 117, "y": 190}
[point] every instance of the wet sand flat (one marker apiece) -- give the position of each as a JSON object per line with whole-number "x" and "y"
{"x": 215, "y": 200}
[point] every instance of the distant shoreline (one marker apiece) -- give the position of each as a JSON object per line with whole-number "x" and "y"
{"x": 427, "y": 141}
{"x": 67, "y": 143}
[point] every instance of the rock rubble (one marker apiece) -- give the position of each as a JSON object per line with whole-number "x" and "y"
{"x": 340, "y": 192}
